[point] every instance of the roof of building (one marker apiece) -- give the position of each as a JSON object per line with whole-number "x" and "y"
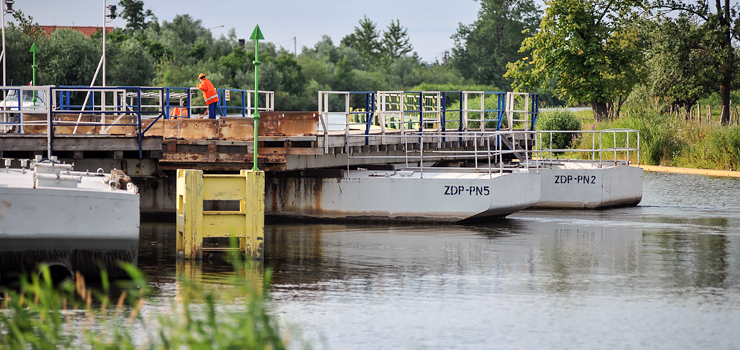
{"x": 86, "y": 30}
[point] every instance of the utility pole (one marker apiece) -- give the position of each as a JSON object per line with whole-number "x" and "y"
{"x": 6, "y": 8}
{"x": 295, "y": 49}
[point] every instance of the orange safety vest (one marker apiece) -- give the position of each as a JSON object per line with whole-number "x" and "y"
{"x": 179, "y": 112}
{"x": 209, "y": 92}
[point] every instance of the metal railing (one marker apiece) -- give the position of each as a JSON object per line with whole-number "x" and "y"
{"x": 602, "y": 145}
{"x": 167, "y": 99}
{"x": 472, "y": 115}
{"x": 130, "y": 111}
{"x": 488, "y": 153}
{"x": 242, "y": 101}
{"x": 20, "y": 101}
{"x": 393, "y": 112}
{"x": 337, "y": 109}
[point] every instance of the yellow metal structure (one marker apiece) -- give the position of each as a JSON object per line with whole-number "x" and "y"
{"x": 194, "y": 224}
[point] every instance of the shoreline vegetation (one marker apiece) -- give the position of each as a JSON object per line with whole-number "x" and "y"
{"x": 672, "y": 139}
{"x": 44, "y": 314}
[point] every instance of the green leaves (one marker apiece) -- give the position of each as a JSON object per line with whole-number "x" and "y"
{"x": 683, "y": 65}
{"x": 134, "y": 14}
{"x": 483, "y": 49}
{"x": 589, "y": 49}
{"x": 366, "y": 40}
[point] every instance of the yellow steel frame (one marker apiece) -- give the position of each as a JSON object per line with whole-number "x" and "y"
{"x": 194, "y": 224}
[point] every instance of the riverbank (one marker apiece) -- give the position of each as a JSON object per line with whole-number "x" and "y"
{"x": 691, "y": 171}
{"x": 670, "y": 141}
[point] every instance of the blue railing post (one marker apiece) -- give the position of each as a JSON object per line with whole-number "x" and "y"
{"x": 244, "y": 114}
{"x": 167, "y": 105}
{"x": 51, "y": 124}
{"x": 535, "y": 109}
{"x": 501, "y": 109}
{"x": 138, "y": 114}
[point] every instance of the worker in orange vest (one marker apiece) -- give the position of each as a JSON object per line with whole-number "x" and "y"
{"x": 181, "y": 111}
{"x": 209, "y": 94}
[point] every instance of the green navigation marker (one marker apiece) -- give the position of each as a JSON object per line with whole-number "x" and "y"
{"x": 34, "y": 50}
{"x": 256, "y": 36}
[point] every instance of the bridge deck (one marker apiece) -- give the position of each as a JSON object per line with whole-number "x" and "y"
{"x": 287, "y": 141}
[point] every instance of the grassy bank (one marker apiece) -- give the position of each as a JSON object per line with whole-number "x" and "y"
{"x": 673, "y": 141}
{"x": 72, "y": 316}
{"x": 667, "y": 140}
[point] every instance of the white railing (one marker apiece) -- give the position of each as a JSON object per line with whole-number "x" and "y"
{"x": 488, "y": 153}
{"x": 18, "y": 102}
{"x": 596, "y": 145}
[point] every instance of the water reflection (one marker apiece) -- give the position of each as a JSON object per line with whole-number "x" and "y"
{"x": 655, "y": 276}
{"x": 699, "y": 261}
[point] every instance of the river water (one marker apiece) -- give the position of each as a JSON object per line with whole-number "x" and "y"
{"x": 663, "y": 275}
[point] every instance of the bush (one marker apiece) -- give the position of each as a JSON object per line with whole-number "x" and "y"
{"x": 558, "y": 120}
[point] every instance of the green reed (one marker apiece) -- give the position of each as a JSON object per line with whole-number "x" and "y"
{"x": 70, "y": 315}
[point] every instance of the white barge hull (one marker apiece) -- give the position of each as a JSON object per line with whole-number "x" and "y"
{"x": 405, "y": 196}
{"x": 46, "y": 213}
{"x": 70, "y": 221}
{"x": 586, "y": 185}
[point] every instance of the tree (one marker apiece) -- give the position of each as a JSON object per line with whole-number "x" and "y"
{"x": 293, "y": 79}
{"x": 683, "y": 68}
{"x": 589, "y": 49}
{"x": 19, "y": 38}
{"x": 365, "y": 40}
{"x": 344, "y": 76}
{"x": 69, "y": 58}
{"x": 483, "y": 48}
{"x": 131, "y": 64}
{"x": 395, "y": 42}
{"x": 134, "y": 14}
{"x": 721, "y": 26}
{"x": 182, "y": 35}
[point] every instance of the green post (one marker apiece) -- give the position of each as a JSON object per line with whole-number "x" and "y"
{"x": 256, "y": 36}
{"x": 34, "y": 50}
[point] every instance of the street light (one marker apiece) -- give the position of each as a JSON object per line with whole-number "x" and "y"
{"x": 221, "y": 26}
{"x": 109, "y": 11}
{"x": 6, "y": 8}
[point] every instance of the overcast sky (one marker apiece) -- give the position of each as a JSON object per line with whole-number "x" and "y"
{"x": 430, "y": 23}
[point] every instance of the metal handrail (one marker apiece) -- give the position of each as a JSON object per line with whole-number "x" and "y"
{"x": 491, "y": 141}
{"x": 548, "y": 153}
{"x": 410, "y": 111}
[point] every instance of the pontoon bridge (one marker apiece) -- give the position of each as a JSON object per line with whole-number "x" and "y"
{"x": 134, "y": 129}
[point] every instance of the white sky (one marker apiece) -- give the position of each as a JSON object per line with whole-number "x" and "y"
{"x": 430, "y": 23}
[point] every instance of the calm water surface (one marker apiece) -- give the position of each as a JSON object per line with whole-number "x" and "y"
{"x": 663, "y": 275}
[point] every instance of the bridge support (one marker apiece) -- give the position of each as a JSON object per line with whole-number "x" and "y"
{"x": 194, "y": 224}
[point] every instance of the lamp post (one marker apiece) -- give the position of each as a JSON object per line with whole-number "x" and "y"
{"x": 221, "y": 26}
{"x": 6, "y": 8}
{"x": 109, "y": 11}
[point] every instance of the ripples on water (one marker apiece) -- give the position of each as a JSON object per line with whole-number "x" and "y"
{"x": 662, "y": 275}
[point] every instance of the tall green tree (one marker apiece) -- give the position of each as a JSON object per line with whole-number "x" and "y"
{"x": 366, "y": 41}
{"x": 483, "y": 48}
{"x": 134, "y": 14}
{"x": 131, "y": 64}
{"x": 589, "y": 49}
{"x": 682, "y": 64}
{"x": 722, "y": 25}
{"x": 69, "y": 58}
{"x": 395, "y": 42}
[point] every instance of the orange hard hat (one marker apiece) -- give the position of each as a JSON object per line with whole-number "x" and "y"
{"x": 201, "y": 75}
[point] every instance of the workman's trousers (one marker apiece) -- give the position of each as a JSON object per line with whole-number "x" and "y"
{"x": 212, "y": 110}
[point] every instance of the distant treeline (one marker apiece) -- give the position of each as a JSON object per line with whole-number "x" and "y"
{"x": 572, "y": 52}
